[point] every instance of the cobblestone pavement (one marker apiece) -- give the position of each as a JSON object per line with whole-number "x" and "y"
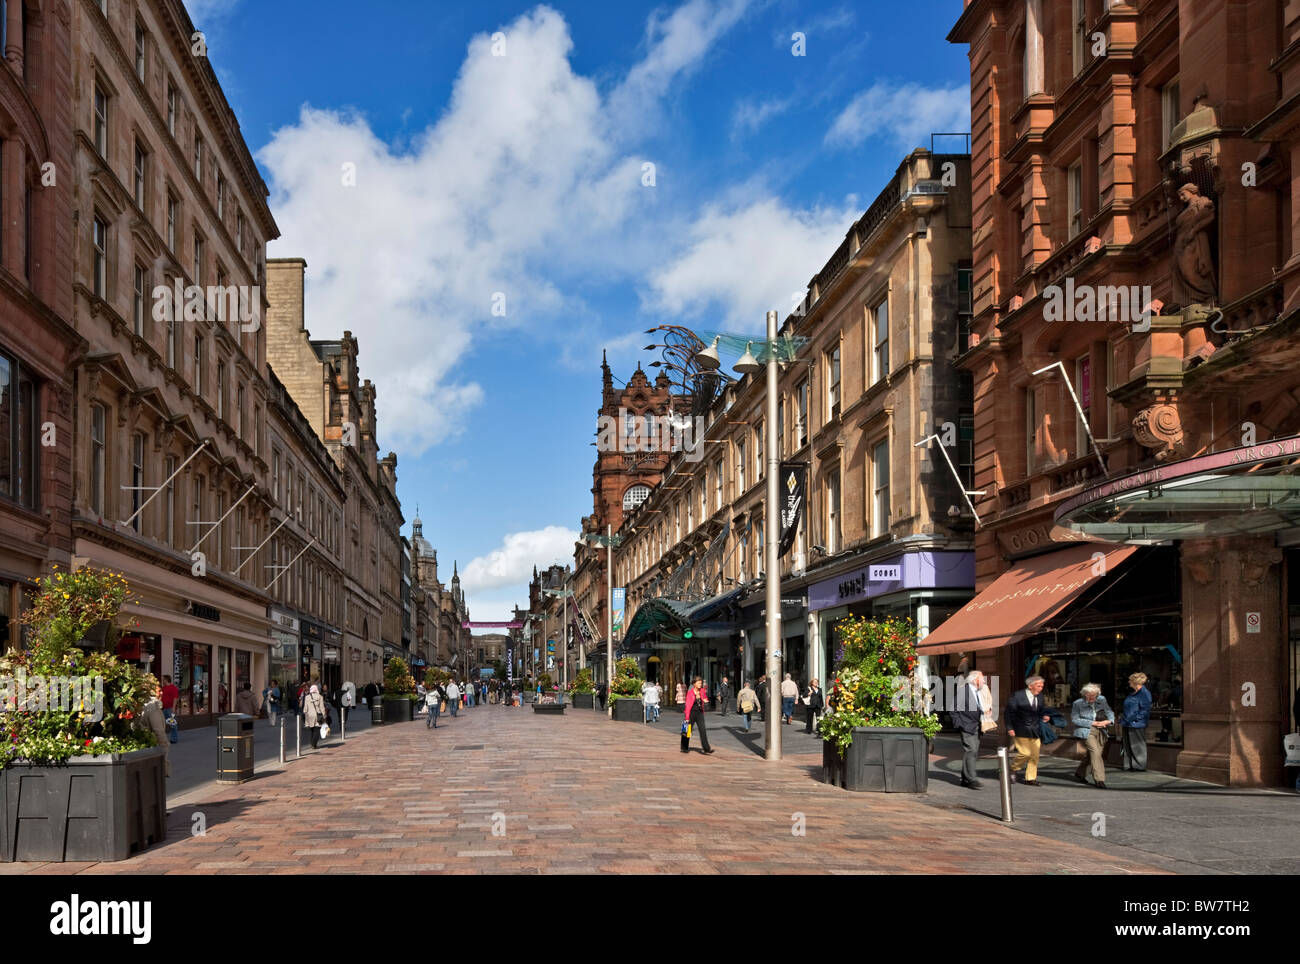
{"x": 573, "y": 794}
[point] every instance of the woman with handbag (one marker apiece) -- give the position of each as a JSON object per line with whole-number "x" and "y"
{"x": 313, "y": 708}
{"x": 695, "y": 700}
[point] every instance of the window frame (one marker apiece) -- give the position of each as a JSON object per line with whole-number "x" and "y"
{"x": 880, "y": 363}
{"x": 880, "y": 494}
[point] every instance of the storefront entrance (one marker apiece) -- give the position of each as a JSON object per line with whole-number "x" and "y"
{"x": 192, "y": 673}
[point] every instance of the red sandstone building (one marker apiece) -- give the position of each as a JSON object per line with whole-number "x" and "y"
{"x": 1134, "y": 168}
{"x": 37, "y": 342}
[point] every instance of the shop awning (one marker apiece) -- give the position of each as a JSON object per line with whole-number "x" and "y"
{"x": 1025, "y": 597}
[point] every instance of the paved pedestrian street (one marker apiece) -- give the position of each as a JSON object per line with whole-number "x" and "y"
{"x": 499, "y": 790}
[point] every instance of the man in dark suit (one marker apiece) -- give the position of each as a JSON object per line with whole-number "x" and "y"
{"x": 966, "y": 717}
{"x": 1025, "y": 711}
{"x": 724, "y": 694}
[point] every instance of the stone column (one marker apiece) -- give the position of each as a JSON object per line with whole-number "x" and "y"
{"x": 13, "y": 51}
{"x": 1233, "y": 705}
{"x": 1034, "y": 64}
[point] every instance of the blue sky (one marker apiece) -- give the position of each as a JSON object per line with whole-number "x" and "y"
{"x": 517, "y": 170}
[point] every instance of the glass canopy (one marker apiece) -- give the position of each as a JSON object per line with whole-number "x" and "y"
{"x": 1251, "y": 490}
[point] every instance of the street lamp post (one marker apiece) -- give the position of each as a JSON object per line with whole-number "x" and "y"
{"x": 776, "y": 350}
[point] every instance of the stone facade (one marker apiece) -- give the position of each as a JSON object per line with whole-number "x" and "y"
{"x": 38, "y": 345}
{"x": 1158, "y": 160}
{"x": 882, "y": 319}
{"x": 165, "y": 197}
{"x": 327, "y": 387}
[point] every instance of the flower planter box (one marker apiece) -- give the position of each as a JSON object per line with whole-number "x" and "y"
{"x": 583, "y": 701}
{"x": 553, "y": 708}
{"x": 629, "y": 710}
{"x": 397, "y": 710}
{"x": 90, "y": 808}
{"x": 882, "y": 759}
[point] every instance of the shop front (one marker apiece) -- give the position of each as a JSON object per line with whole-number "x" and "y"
{"x": 285, "y": 640}
{"x": 924, "y": 586}
{"x": 1227, "y": 679}
{"x": 209, "y": 635}
{"x": 794, "y": 648}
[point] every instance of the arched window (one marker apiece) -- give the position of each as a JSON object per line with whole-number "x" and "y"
{"x": 634, "y": 496}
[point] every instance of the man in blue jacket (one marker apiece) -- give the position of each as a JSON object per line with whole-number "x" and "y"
{"x": 1137, "y": 713}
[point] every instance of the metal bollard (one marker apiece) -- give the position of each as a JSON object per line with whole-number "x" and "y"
{"x": 280, "y": 726}
{"x": 298, "y": 721}
{"x": 343, "y": 724}
{"x": 1004, "y": 785}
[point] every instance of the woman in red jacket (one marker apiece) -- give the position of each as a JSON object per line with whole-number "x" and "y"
{"x": 695, "y": 700}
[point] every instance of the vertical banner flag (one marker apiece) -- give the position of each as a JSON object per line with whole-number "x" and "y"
{"x": 794, "y": 478}
{"x": 620, "y": 600}
{"x": 510, "y": 663}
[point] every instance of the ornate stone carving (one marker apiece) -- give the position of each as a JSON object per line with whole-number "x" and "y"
{"x": 1255, "y": 564}
{"x": 1195, "y": 280}
{"x": 1160, "y": 427}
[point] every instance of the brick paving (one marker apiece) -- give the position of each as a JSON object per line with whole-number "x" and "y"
{"x": 573, "y": 794}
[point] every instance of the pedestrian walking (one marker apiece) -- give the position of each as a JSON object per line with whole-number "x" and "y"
{"x": 1092, "y": 720}
{"x": 813, "y": 702}
{"x": 681, "y": 694}
{"x": 651, "y": 694}
{"x": 764, "y": 696}
{"x": 967, "y": 718}
{"x": 747, "y": 703}
{"x": 245, "y": 701}
{"x": 169, "y": 695}
{"x": 724, "y": 694}
{"x": 271, "y": 699}
{"x": 1136, "y": 716}
{"x": 151, "y": 716}
{"x": 696, "y": 697}
{"x": 315, "y": 713}
{"x": 453, "y": 697}
{"x": 349, "y": 698}
{"x": 1026, "y": 711}
{"x": 433, "y": 702}
{"x": 789, "y": 693}
{"x": 603, "y": 692}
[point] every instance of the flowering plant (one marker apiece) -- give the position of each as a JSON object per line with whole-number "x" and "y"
{"x": 50, "y": 711}
{"x": 582, "y": 682}
{"x": 878, "y": 659}
{"x": 627, "y": 680}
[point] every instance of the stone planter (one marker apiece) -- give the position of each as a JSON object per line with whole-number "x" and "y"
{"x": 90, "y": 808}
{"x": 884, "y": 759}
{"x": 629, "y": 710}
{"x": 397, "y": 710}
{"x": 555, "y": 709}
{"x": 583, "y": 701}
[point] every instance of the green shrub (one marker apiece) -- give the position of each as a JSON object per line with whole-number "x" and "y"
{"x": 627, "y": 680}
{"x": 398, "y": 680}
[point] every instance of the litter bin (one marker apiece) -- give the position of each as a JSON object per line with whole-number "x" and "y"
{"x": 376, "y": 712}
{"x": 235, "y": 748}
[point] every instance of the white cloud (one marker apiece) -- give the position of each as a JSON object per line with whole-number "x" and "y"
{"x": 525, "y": 183}
{"x": 512, "y": 563}
{"x": 749, "y": 116}
{"x": 907, "y": 114}
{"x": 743, "y": 262}
{"x": 676, "y": 44}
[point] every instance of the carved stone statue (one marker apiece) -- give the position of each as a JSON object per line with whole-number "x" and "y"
{"x": 1194, "y": 278}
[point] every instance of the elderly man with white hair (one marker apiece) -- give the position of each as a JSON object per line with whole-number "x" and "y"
{"x": 1092, "y": 718}
{"x": 967, "y": 716}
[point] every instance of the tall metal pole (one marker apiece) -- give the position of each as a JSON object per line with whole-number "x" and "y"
{"x": 564, "y": 673}
{"x": 772, "y": 538}
{"x": 609, "y": 603}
